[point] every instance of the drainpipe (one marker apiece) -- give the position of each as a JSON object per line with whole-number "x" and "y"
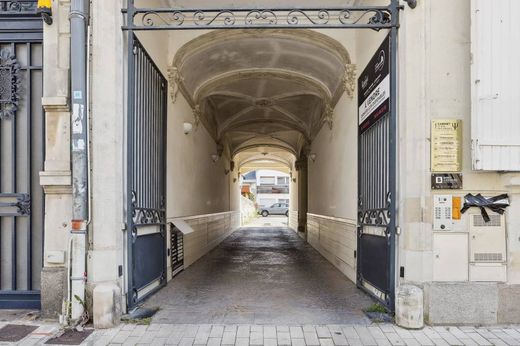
{"x": 80, "y": 211}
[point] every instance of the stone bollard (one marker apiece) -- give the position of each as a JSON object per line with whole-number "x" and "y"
{"x": 409, "y": 310}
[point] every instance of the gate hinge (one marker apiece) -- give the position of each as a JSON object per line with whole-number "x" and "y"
{"x": 123, "y": 226}
{"x": 398, "y": 230}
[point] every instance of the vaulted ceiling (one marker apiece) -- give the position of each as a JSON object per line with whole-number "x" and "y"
{"x": 262, "y": 90}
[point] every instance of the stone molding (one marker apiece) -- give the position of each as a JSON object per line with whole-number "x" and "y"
{"x": 55, "y": 104}
{"x": 56, "y": 182}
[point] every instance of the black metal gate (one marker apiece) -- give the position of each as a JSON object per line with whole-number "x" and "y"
{"x": 376, "y": 245}
{"x": 146, "y": 176}
{"x": 21, "y": 155}
{"x": 376, "y": 176}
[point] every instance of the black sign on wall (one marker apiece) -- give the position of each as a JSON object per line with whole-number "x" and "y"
{"x": 374, "y": 88}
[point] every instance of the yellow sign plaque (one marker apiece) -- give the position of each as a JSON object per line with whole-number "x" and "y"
{"x": 446, "y": 145}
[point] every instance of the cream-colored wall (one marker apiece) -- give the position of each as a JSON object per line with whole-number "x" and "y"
{"x": 195, "y": 184}
{"x": 435, "y": 62}
{"x": 336, "y": 240}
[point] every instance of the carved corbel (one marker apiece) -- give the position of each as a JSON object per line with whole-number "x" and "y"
{"x": 329, "y": 115}
{"x": 349, "y": 79}
{"x": 197, "y": 113}
{"x": 174, "y": 80}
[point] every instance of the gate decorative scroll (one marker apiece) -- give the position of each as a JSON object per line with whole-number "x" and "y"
{"x": 9, "y": 84}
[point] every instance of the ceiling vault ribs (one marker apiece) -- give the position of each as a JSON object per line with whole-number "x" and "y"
{"x": 266, "y": 88}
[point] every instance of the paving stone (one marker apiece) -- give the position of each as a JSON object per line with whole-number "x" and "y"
{"x": 128, "y": 326}
{"x": 270, "y": 342}
{"x": 121, "y": 336}
{"x": 350, "y": 332}
{"x": 228, "y": 338}
{"x": 440, "y": 342}
{"x": 159, "y": 342}
{"x": 284, "y": 338}
{"x": 512, "y": 332}
{"x": 339, "y": 339}
{"x": 326, "y": 342}
{"x": 458, "y": 333}
{"x": 394, "y": 338}
{"x": 450, "y": 338}
{"x": 383, "y": 342}
{"x": 376, "y": 332}
{"x": 190, "y": 331}
{"x": 216, "y": 331}
{"x": 478, "y": 339}
{"x": 431, "y": 333}
{"x": 242, "y": 342}
{"x": 311, "y": 338}
{"x": 485, "y": 333}
{"x": 355, "y": 342}
{"x": 186, "y": 341}
{"x": 323, "y": 332}
{"x": 153, "y": 327}
{"x": 411, "y": 342}
{"x": 403, "y": 333}
{"x": 422, "y": 338}
{"x": 296, "y": 332}
{"x": 282, "y": 328}
{"x": 243, "y": 331}
{"x": 131, "y": 341}
{"x": 269, "y": 332}
{"x": 202, "y": 336}
{"x": 497, "y": 342}
{"x": 298, "y": 342}
{"x": 256, "y": 338}
{"x": 257, "y": 328}
{"x": 468, "y": 342}
{"x": 214, "y": 341}
{"x": 230, "y": 328}
{"x": 148, "y": 337}
{"x": 365, "y": 336}
{"x": 308, "y": 328}
{"x": 174, "y": 338}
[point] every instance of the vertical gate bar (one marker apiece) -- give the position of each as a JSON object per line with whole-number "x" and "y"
{"x": 393, "y": 149}
{"x": 13, "y": 190}
{"x": 29, "y": 162}
{"x": 130, "y": 150}
{"x": 139, "y": 123}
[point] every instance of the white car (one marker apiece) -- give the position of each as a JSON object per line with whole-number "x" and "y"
{"x": 275, "y": 209}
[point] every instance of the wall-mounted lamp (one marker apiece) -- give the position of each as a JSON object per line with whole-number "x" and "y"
{"x": 312, "y": 157}
{"x": 214, "y": 157}
{"x": 187, "y": 127}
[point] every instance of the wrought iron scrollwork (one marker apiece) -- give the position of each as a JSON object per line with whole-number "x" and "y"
{"x": 375, "y": 217}
{"x": 9, "y": 84}
{"x": 18, "y": 6}
{"x": 164, "y": 18}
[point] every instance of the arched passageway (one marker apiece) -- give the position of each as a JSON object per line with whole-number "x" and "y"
{"x": 264, "y": 98}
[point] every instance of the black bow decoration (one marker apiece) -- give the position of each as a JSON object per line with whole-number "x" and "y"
{"x": 498, "y": 204}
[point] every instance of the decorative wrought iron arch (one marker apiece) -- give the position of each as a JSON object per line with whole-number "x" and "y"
{"x": 368, "y": 17}
{"x": 348, "y": 17}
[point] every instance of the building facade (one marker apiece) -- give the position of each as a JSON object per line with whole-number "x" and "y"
{"x": 190, "y": 109}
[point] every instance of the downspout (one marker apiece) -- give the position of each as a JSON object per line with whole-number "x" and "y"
{"x": 80, "y": 211}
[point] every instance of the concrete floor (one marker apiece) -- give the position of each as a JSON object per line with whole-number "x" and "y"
{"x": 261, "y": 276}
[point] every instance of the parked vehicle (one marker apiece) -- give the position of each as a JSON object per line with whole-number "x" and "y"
{"x": 275, "y": 209}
